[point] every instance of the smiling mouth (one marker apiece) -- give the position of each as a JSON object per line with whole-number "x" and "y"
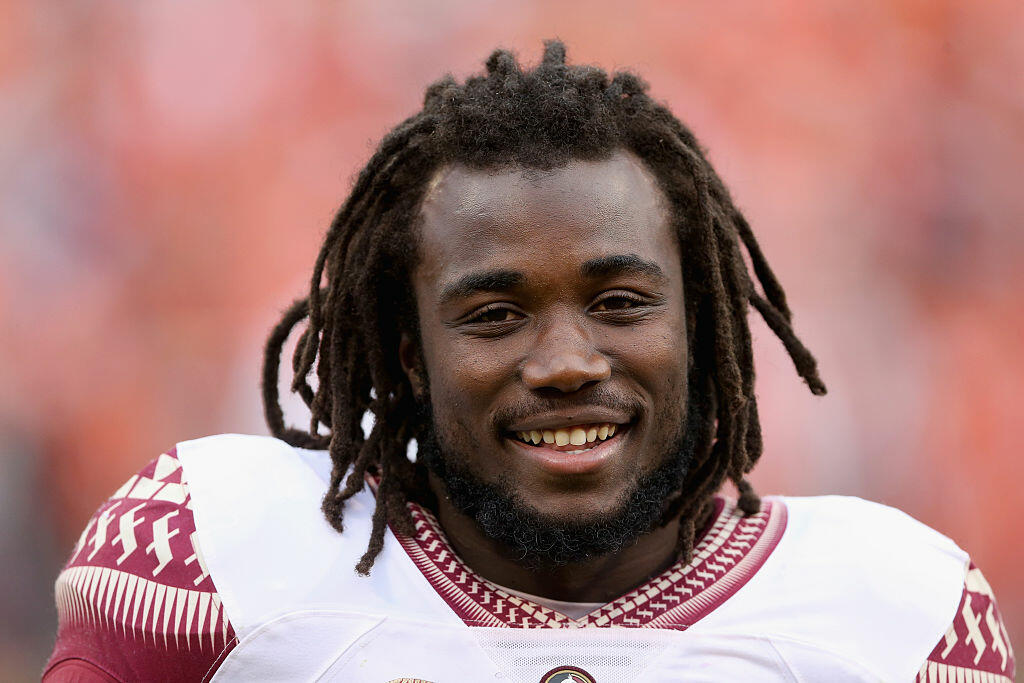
{"x": 570, "y": 439}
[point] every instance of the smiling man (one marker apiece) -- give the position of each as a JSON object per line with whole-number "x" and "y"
{"x": 539, "y": 280}
{"x": 552, "y": 327}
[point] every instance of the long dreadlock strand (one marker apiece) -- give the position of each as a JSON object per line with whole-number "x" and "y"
{"x": 380, "y": 514}
{"x": 687, "y": 535}
{"x": 304, "y": 390}
{"x": 735, "y": 375}
{"x": 272, "y": 405}
{"x": 769, "y": 283}
{"x": 388, "y": 404}
{"x": 805, "y": 364}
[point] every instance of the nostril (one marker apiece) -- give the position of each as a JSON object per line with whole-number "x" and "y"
{"x": 559, "y": 388}
{"x": 565, "y": 373}
{"x": 588, "y": 384}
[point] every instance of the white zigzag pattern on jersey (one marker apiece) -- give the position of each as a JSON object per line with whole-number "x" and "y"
{"x": 161, "y": 544}
{"x": 937, "y": 672}
{"x": 84, "y": 595}
{"x": 144, "y": 488}
{"x": 126, "y": 537}
{"x": 165, "y": 465}
{"x": 977, "y": 583}
{"x": 100, "y": 537}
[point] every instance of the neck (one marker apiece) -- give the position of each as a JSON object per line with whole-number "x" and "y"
{"x": 599, "y": 579}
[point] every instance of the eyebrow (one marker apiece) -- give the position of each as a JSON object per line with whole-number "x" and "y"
{"x": 482, "y": 281}
{"x": 621, "y": 264}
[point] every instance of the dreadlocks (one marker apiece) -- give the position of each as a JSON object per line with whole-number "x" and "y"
{"x": 360, "y": 298}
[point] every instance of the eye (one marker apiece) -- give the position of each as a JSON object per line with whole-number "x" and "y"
{"x": 496, "y": 314}
{"x": 616, "y": 302}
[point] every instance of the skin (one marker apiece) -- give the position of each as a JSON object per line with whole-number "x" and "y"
{"x": 551, "y": 343}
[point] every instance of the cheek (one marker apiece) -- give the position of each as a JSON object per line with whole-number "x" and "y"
{"x": 452, "y": 425}
{"x": 463, "y": 386}
{"x": 657, "y": 361}
{"x": 473, "y": 368}
{"x": 656, "y": 355}
{"x": 670, "y": 394}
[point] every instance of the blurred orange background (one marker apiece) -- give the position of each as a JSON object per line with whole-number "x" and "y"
{"x": 168, "y": 169}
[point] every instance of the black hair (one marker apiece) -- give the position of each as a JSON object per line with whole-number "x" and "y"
{"x": 360, "y": 290}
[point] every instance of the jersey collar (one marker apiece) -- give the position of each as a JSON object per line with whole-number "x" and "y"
{"x": 728, "y": 554}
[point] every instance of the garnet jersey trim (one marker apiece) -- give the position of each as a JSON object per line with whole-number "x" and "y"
{"x": 975, "y": 642}
{"x": 727, "y": 556}
{"x": 136, "y": 600}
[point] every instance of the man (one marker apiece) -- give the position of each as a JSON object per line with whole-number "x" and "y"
{"x": 539, "y": 279}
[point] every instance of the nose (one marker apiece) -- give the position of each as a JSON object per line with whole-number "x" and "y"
{"x": 565, "y": 359}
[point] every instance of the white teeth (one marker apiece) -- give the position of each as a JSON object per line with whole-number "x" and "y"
{"x": 577, "y": 436}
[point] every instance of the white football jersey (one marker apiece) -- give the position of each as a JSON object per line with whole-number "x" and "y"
{"x": 809, "y": 589}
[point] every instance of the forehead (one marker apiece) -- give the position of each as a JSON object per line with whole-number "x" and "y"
{"x": 530, "y": 219}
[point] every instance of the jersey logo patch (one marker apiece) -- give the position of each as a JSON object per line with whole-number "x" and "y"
{"x": 567, "y": 674}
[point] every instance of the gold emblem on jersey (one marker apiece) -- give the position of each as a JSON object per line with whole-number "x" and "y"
{"x": 567, "y": 674}
{"x": 408, "y": 680}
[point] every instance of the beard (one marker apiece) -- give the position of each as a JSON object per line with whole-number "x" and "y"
{"x": 540, "y": 541}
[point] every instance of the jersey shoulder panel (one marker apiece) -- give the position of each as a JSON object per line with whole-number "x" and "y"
{"x": 862, "y": 581}
{"x": 895, "y": 582}
{"x": 256, "y": 502}
{"x": 976, "y": 642}
{"x": 873, "y": 523}
{"x": 135, "y": 599}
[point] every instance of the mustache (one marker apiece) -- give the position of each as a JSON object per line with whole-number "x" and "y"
{"x": 528, "y": 407}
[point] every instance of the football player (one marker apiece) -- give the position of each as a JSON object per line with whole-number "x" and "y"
{"x": 540, "y": 280}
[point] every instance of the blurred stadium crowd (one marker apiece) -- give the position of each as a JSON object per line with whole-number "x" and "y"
{"x": 167, "y": 170}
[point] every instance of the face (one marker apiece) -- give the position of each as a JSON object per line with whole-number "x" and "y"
{"x": 552, "y": 331}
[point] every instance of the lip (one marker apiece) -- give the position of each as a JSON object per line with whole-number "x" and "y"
{"x": 562, "y": 464}
{"x": 568, "y": 418}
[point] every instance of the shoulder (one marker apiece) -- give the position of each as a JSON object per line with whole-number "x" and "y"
{"x": 136, "y": 600}
{"x": 884, "y": 588}
{"x": 257, "y": 507}
{"x": 884, "y": 557}
{"x": 856, "y": 539}
{"x": 871, "y": 522}
{"x": 228, "y": 469}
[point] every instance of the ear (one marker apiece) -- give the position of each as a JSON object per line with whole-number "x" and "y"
{"x": 411, "y": 359}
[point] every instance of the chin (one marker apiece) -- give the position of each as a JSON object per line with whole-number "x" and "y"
{"x": 569, "y": 528}
{"x": 577, "y": 506}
